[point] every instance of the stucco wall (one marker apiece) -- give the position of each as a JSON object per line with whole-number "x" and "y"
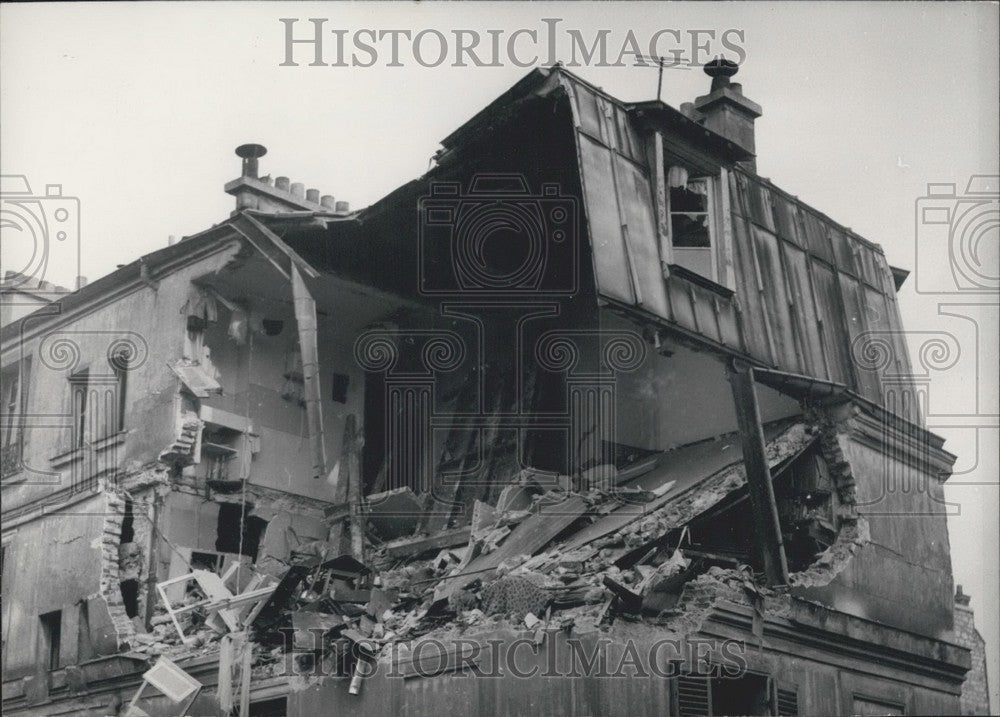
{"x": 903, "y": 577}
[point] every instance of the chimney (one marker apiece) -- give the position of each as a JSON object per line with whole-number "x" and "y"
{"x": 250, "y": 154}
{"x": 725, "y": 110}
{"x": 960, "y": 597}
{"x": 283, "y": 195}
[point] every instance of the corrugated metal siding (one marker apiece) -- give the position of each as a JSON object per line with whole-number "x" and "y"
{"x": 811, "y": 298}
{"x": 829, "y": 304}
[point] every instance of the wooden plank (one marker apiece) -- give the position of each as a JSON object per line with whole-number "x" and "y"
{"x": 352, "y": 465}
{"x": 527, "y": 538}
{"x": 407, "y": 547}
{"x": 271, "y": 246}
{"x": 761, "y": 492}
{"x": 615, "y": 521}
{"x": 659, "y": 191}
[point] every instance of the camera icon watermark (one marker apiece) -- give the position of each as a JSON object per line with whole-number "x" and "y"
{"x": 497, "y": 239}
{"x": 960, "y": 232}
{"x": 40, "y": 235}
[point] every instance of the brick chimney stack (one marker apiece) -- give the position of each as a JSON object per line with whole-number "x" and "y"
{"x": 725, "y": 110}
{"x": 258, "y": 193}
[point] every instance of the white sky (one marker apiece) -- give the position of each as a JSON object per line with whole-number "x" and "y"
{"x": 136, "y": 109}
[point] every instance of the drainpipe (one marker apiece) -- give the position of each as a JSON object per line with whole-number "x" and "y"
{"x": 305, "y": 317}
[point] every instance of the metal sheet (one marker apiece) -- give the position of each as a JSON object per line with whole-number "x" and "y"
{"x": 611, "y": 262}
{"x": 835, "y": 343}
{"x": 748, "y": 287}
{"x": 634, "y": 194}
{"x": 805, "y": 312}
{"x": 775, "y": 299}
{"x": 855, "y": 315}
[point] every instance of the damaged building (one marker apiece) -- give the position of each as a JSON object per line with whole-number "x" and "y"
{"x": 589, "y": 400}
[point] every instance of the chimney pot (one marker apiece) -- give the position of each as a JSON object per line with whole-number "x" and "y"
{"x": 171, "y": 240}
{"x": 298, "y": 189}
{"x": 250, "y": 153}
{"x": 81, "y": 281}
{"x": 720, "y": 70}
{"x": 327, "y": 201}
{"x": 281, "y": 183}
{"x": 725, "y": 110}
{"x": 313, "y": 195}
{"x": 343, "y": 206}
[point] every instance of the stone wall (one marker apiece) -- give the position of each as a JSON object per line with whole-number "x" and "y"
{"x": 975, "y": 691}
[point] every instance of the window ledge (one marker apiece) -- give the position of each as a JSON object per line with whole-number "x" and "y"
{"x": 695, "y": 278}
{"x": 98, "y": 446}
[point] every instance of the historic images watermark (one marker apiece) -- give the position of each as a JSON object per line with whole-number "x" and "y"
{"x": 319, "y": 42}
{"x": 39, "y": 231}
{"x": 308, "y": 652}
{"x": 943, "y": 377}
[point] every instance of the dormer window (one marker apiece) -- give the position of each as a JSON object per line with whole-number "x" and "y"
{"x": 692, "y": 226}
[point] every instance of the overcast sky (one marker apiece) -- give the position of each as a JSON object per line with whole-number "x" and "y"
{"x": 136, "y": 109}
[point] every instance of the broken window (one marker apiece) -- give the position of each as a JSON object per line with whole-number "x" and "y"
{"x": 690, "y": 206}
{"x": 14, "y": 381}
{"x": 51, "y": 638}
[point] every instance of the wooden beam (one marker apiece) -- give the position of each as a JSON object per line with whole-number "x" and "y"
{"x": 761, "y": 492}
{"x": 407, "y": 547}
{"x": 352, "y": 464}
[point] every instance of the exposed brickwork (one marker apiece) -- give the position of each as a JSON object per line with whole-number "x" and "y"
{"x": 182, "y": 450}
{"x": 114, "y": 516}
{"x": 975, "y": 691}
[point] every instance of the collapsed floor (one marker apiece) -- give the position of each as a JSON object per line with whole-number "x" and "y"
{"x": 660, "y": 541}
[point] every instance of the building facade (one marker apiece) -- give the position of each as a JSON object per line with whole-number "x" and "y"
{"x": 605, "y": 422}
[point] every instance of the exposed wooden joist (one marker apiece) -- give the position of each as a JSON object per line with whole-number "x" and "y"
{"x": 761, "y": 492}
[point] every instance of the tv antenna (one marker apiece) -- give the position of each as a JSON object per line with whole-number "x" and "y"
{"x": 660, "y": 62}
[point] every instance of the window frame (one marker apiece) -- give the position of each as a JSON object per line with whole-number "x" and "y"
{"x": 719, "y": 233}
{"x": 15, "y": 407}
{"x": 51, "y": 639}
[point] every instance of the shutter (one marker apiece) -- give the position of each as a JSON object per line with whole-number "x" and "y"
{"x": 786, "y": 699}
{"x": 693, "y": 696}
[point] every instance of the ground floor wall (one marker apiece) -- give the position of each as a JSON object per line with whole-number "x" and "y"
{"x": 631, "y": 669}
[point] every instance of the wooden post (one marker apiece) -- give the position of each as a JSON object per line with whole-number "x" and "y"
{"x": 765, "y": 511}
{"x": 352, "y": 468}
{"x": 152, "y": 560}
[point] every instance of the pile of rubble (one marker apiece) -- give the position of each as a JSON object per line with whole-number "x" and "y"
{"x": 542, "y": 557}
